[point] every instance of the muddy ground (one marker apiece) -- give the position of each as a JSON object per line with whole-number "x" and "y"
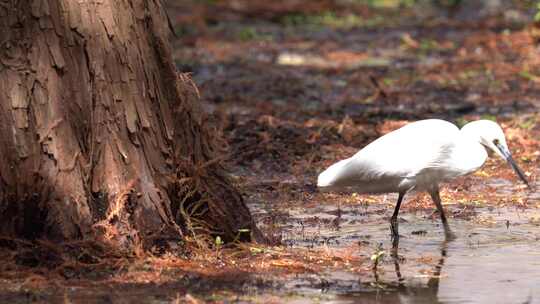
{"x": 294, "y": 86}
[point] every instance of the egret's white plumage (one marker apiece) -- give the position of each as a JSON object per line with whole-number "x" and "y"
{"x": 413, "y": 156}
{"x": 418, "y": 156}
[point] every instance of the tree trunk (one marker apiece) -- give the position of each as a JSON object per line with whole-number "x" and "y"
{"x": 99, "y": 136}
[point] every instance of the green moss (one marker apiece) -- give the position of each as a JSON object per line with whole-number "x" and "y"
{"x": 330, "y": 19}
{"x": 249, "y": 33}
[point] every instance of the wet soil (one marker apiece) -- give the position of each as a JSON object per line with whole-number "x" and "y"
{"x": 295, "y": 86}
{"x": 295, "y": 92}
{"x": 493, "y": 259}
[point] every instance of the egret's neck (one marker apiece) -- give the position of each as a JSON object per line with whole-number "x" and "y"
{"x": 470, "y": 134}
{"x": 474, "y": 153}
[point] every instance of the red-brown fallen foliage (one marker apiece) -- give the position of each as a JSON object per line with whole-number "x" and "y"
{"x": 291, "y": 100}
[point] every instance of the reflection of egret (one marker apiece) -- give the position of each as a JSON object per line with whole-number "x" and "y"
{"x": 397, "y": 261}
{"x": 436, "y": 277}
{"x": 422, "y": 295}
{"x": 418, "y": 156}
{"x": 405, "y": 290}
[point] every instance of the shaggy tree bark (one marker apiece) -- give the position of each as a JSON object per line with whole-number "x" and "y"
{"x": 99, "y": 136}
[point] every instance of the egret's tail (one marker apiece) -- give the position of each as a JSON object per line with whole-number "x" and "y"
{"x": 329, "y": 177}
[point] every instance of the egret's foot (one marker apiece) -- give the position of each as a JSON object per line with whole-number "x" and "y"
{"x": 448, "y": 234}
{"x": 395, "y": 243}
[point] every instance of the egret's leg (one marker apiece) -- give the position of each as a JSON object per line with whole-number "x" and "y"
{"x": 394, "y": 226}
{"x": 397, "y": 260}
{"x": 437, "y": 200}
{"x": 434, "y": 193}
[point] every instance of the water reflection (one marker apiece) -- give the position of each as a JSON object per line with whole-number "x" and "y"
{"x": 494, "y": 259}
{"x": 401, "y": 291}
{"x": 495, "y": 264}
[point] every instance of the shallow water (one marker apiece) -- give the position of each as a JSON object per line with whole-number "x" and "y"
{"x": 482, "y": 265}
{"x": 495, "y": 257}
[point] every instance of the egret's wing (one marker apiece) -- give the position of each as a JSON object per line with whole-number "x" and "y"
{"x": 441, "y": 165}
{"x": 407, "y": 151}
{"x": 384, "y": 164}
{"x": 457, "y": 157}
{"x": 404, "y": 161}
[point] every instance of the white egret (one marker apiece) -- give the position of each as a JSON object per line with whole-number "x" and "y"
{"x": 418, "y": 156}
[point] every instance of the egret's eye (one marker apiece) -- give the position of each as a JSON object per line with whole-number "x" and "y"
{"x": 496, "y": 141}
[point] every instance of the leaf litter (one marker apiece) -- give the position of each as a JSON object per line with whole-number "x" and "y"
{"x": 292, "y": 90}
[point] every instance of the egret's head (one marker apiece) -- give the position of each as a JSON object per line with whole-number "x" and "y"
{"x": 491, "y": 136}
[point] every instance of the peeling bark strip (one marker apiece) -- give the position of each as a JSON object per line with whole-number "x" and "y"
{"x": 98, "y": 132}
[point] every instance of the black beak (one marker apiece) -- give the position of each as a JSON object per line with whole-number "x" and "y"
{"x": 513, "y": 164}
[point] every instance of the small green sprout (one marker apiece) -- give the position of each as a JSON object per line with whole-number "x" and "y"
{"x": 218, "y": 242}
{"x": 256, "y": 250}
{"x": 377, "y": 256}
